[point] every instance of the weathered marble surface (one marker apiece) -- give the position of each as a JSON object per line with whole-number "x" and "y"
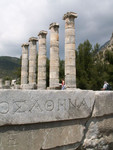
{"x": 70, "y": 57}
{"x": 24, "y": 66}
{"x": 54, "y": 55}
{"x": 26, "y": 107}
{"x": 56, "y": 120}
{"x": 60, "y": 135}
{"x": 32, "y": 59}
{"x": 103, "y": 104}
{"x": 42, "y": 60}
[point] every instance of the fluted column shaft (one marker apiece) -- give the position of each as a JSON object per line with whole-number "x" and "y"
{"x": 32, "y": 60}
{"x": 24, "y": 66}
{"x": 70, "y": 66}
{"x": 54, "y": 55}
{"x": 42, "y": 60}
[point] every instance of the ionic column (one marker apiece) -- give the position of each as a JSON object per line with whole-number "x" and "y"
{"x": 24, "y": 66}
{"x": 32, "y": 60}
{"x": 1, "y": 83}
{"x": 70, "y": 66}
{"x": 42, "y": 60}
{"x": 54, "y": 55}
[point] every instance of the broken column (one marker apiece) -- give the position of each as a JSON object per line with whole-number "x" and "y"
{"x": 42, "y": 60}
{"x": 24, "y": 66}
{"x": 54, "y": 55}
{"x": 70, "y": 66}
{"x": 32, "y": 60}
{"x": 1, "y": 83}
{"x": 7, "y": 84}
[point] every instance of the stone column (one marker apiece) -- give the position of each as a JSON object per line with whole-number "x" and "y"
{"x": 1, "y": 83}
{"x": 24, "y": 66}
{"x": 42, "y": 60}
{"x": 54, "y": 55}
{"x": 70, "y": 66}
{"x": 32, "y": 60}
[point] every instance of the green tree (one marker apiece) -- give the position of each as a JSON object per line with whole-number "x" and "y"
{"x": 84, "y": 64}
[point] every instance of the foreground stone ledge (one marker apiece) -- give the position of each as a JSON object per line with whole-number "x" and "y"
{"x": 27, "y": 106}
{"x": 56, "y": 120}
{"x": 44, "y": 136}
{"x": 103, "y": 103}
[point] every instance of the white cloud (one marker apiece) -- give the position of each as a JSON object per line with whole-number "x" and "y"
{"x": 19, "y": 20}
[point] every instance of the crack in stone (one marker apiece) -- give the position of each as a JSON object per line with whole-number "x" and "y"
{"x": 86, "y": 126}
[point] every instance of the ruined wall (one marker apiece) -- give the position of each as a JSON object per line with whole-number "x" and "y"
{"x": 56, "y": 120}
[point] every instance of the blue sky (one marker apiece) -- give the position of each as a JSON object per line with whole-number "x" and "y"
{"x": 22, "y": 19}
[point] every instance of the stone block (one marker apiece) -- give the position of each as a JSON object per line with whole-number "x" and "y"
{"x": 28, "y": 86}
{"x": 16, "y": 86}
{"x": 25, "y": 107}
{"x": 61, "y": 135}
{"x": 103, "y": 103}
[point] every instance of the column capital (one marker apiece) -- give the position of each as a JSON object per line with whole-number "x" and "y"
{"x": 24, "y": 44}
{"x": 70, "y": 14}
{"x": 42, "y": 33}
{"x": 33, "y": 39}
{"x": 54, "y": 24}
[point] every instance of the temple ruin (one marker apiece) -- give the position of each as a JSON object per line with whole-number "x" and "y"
{"x": 31, "y": 79}
{"x": 53, "y": 119}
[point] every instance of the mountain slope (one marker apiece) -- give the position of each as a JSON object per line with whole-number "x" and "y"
{"x": 8, "y": 66}
{"x": 104, "y": 46}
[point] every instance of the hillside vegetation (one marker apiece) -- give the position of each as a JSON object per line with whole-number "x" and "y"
{"x": 9, "y": 67}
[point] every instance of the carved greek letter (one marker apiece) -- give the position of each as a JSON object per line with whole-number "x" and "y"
{"x": 61, "y": 104}
{"x": 36, "y": 105}
{"x": 49, "y": 105}
{"x": 19, "y": 106}
{"x": 83, "y": 103}
{"x": 71, "y": 104}
{"x": 4, "y": 107}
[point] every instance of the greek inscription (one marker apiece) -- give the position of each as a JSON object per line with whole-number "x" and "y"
{"x": 36, "y": 105}
{"x": 61, "y": 104}
{"x": 83, "y": 103}
{"x": 19, "y": 106}
{"x": 78, "y": 106}
{"x": 71, "y": 104}
{"x": 4, "y": 107}
{"x": 49, "y": 105}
